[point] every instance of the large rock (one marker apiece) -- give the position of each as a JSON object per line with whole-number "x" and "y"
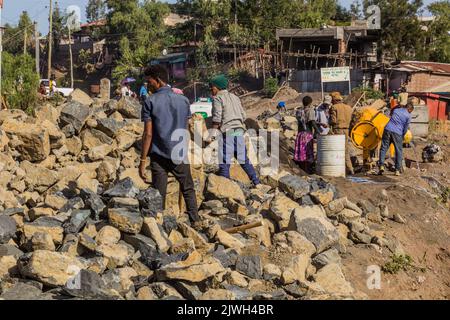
{"x": 296, "y": 187}
{"x": 75, "y": 114}
{"x": 228, "y": 241}
{"x": 124, "y": 189}
{"x": 109, "y": 126}
{"x": 332, "y": 280}
{"x": 108, "y": 235}
{"x": 251, "y": 266}
{"x": 22, "y": 291}
{"x": 99, "y": 152}
{"x": 118, "y": 254}
{"x": 224, "y": 189}
{"x": 93, "y": 201}
{"x": 294, "y": 240}
{"x": 193, "y": 273}
{"x": 151, "y": 229}
{"x": 92, "y": 138}
{"x": 8, "y": 266}
{"x": 8, "y": 228}
{"x": 188, "y": 232}
{"x": 311, "y": 222}
{"x": 133, "y": 174}
{"x": 81, "y": 97}
{"x": 7, "y": 198}
{"x": 151, "y": 200}
{"x": 50, "y": 268}
{"x": 77, "y": 221}
{"x": 125, "y": 220}
{"x": 130, "y": 108}
{"x": 47, "y": 225}
{"x": 37, "y": 176}
{"x": 326, "y": 257}
{"x": 281, "y": 208}
{"x": 34, "y": 140}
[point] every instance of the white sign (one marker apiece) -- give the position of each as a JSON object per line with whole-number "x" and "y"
{"x": 73, "y": 18}
{"x": 335, "y": 74}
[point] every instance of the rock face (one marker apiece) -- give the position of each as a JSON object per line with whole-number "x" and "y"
{"x": 311, "y": 222}
{"x": 50, "y": 268}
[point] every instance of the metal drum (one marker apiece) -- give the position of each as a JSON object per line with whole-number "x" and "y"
{"x": 331, "y": 155}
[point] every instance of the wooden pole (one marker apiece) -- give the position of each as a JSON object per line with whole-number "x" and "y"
{"x": 71, "y": 58}
{"x": 37, "y": 47}
{"x": 25, "y": 40}
{"x": 50, "y": 40}
{"x": 244, "y": 227}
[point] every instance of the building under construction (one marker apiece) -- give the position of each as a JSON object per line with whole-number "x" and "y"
{"x": 303, "y": 52}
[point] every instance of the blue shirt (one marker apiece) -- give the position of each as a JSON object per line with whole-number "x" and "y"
{"x": 399, "y": 122}
{"x": 143, "y": 92}
{"x": 169, "y": 113}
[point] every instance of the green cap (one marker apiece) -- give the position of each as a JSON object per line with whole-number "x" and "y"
{"x": 220, "y": 81}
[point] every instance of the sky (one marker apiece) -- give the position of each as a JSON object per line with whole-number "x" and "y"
{"x": 38, "y": 10}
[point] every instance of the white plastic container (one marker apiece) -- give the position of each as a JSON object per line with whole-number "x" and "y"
{"x": 331, "y": 155}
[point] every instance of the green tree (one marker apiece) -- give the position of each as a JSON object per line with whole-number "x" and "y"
{"x": 439, "y": 46}
{"x": 401, "y": 33}
{"x": 19, "y": 81}
{"x": 13, "y": 37}
{"x": 96, "y": 10}
{"x": 137, "y": 28}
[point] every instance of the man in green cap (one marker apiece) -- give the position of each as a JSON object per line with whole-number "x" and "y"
{"x": 228, "y": 116}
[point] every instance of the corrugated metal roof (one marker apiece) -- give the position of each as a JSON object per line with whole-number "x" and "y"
{"x": 422, "y": 66}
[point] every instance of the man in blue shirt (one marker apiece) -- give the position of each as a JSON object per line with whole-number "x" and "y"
{"x": 143, "y": 92}
{"x": 166, "y": 136}
{"x": 394, "y": 132}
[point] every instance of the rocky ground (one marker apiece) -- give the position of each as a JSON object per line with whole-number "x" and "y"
{"x": 77, "y": 222}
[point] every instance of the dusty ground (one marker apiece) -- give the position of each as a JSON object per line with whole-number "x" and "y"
{"x": 425, "y": 236}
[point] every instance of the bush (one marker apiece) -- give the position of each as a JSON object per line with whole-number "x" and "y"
{"x": 370, "y": 92}
{"x": 271, "y": 87}
{"x": 20, "y": 81}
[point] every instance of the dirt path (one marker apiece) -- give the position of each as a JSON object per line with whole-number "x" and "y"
{"x": 425, "y": 236}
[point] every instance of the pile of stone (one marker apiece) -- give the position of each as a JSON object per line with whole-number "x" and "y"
{"x": 77, "y": 222}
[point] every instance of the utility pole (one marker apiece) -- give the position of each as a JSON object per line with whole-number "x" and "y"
{"x": 50, "y": 40}
{"x": 71, "y": 58}
{"x": 37, "y": 47}
{"x": 235, "y": 31}
{"x": 25, "y": 40}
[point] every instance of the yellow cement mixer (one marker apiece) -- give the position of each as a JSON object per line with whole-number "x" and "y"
{"x": 368, "y": 131}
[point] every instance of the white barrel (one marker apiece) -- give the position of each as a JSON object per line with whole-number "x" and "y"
{"x": 331, "y": 155}
{"x": 419, "y": 121}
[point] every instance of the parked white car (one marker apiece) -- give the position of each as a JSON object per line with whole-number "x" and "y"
{"x": 64, "y": 91}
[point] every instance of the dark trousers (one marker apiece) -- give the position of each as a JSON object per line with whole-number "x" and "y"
{"x": 235, "y": 146}
{"x": 388, "y": 138}
{"x": 160, "y": 168}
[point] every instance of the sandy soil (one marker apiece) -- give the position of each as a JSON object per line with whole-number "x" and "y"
{"x": 425, "y": 236}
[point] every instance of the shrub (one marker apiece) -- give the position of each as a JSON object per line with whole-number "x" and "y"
{"x": 20, "y": 81}
{"x": 271, "y": 87}
{"x": 370, "y": 92}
